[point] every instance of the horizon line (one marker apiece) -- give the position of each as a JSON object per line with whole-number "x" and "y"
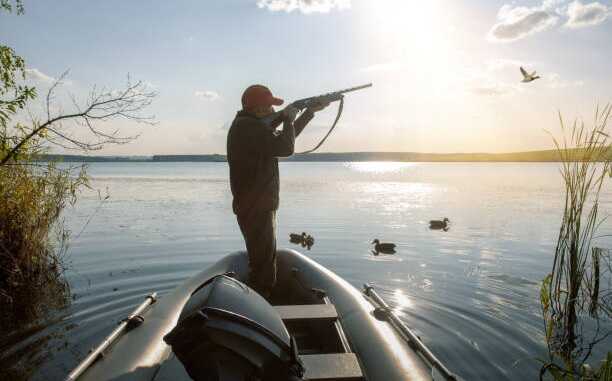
{"x": 314, "y": 153}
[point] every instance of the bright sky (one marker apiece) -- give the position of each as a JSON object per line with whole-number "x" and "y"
{"x": 445, "y": 72}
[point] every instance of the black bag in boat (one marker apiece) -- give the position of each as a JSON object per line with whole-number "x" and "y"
{"x": 227, "y": 331}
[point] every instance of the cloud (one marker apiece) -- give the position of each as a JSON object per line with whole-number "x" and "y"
{"x": 493, "y": 89}
{"x": 503, "y": 63}
{"x": 500, "y": 77}
{"x": 582, "y": 15}
{"x": 554, "y": 81}
{"x": 207, "y": 95}
{"x": 487, "y": 84}
{"x": 304, "y": 6}
{"x": 489, "y": 90}
{"x": 495, "y": 77}
{"x": 38, "y": 76}
{"x": 516, "y": 22}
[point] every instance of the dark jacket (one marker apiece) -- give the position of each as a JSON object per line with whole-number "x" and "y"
{"x": 252, "y": 152}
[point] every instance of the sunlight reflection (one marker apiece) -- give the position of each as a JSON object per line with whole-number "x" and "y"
{"x": 396, "y": 188}
{"x": 402, "y": 301}
{"x": 391, "y": 197}
{"x": 379, "y": 167}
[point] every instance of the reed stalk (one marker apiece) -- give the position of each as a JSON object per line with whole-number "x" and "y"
{"x": 573, "y": 297}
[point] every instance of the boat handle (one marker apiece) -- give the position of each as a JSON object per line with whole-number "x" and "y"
{"x": 133, "y": 320}
{"x": 384, "y": 311}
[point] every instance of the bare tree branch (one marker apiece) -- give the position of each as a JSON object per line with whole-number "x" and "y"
{"x": 102, "y": 105}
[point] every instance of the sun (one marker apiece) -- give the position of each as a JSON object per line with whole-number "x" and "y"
{"x": 413, "y": 42}
{"x": 406, "y": 27}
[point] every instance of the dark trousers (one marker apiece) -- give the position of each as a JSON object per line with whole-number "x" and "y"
{"x": 259, "y": 231}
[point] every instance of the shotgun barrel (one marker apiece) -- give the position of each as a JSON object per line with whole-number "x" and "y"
{"x": 329, "y": 97}
{"x": 276, "y": 118}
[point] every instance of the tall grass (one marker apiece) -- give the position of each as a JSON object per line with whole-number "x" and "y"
{"x": 33, "y": 239}
{"x": 574, "y": 297}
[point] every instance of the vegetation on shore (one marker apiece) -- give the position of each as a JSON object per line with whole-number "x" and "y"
{"x": 529, "y": 156}
{"x": 575, "y": 296}
{"x": 33, "y": 238}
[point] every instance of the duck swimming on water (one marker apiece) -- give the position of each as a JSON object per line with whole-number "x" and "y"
{"x": 439, "y": 224}
{"x": 297, "y": 238}
{"x": 385, "y": 248}
{"x": 308, "y": 241}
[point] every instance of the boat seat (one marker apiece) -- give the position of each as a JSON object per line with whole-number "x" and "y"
{"x": 332, "y": 367}
{"x": 325, "y": 312}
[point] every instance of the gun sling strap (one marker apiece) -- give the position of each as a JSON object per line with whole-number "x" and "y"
{"x": 333, "y": 126}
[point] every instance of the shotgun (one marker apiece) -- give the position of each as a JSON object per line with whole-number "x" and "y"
{"x": 276, "y": 118}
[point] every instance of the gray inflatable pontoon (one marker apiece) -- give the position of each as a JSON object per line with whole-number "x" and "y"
{"x": 341, "y": 333}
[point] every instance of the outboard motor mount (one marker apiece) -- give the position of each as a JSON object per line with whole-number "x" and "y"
{"x": 227, "y": 331}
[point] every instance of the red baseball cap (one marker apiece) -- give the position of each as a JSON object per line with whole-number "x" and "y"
{"x": 259, "y": 96}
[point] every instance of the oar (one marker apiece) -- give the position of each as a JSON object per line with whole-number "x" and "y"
{"x": 383, "y": 311}
{"x": 133, "y": 320}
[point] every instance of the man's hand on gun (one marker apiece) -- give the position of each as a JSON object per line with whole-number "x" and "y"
{"x": 290, "y": 112}
{"x": 310, "y": 105}
{"x": 319, "y": 105}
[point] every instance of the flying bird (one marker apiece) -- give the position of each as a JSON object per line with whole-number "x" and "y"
{"x": 528, "y": 77}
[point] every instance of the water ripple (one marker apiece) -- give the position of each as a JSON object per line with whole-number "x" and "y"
{"x": 470, "y": 293}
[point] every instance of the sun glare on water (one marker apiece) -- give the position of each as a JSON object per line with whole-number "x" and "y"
{"x": 402, "y": 301}
{"x": 379, "y": 167}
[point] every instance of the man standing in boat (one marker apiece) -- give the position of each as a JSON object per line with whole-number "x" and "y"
{"x": 253, "y": 148}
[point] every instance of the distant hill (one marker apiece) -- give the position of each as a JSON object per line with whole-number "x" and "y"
{"x": 530, "y": 156}
{"x": 209, "y": 158}
{"x": 87, "y": 159}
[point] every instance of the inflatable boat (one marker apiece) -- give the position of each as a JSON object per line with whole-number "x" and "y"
{"x": 314, "y": 326}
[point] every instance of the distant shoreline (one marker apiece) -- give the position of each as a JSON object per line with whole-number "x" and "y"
{"x": 529, "y": 156}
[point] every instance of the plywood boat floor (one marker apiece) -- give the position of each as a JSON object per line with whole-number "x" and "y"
{"x": 332, "y": 367}
{"x": 307, "y": 312}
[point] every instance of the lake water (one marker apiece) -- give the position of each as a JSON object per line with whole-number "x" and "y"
{"x": 471, "y": 293}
